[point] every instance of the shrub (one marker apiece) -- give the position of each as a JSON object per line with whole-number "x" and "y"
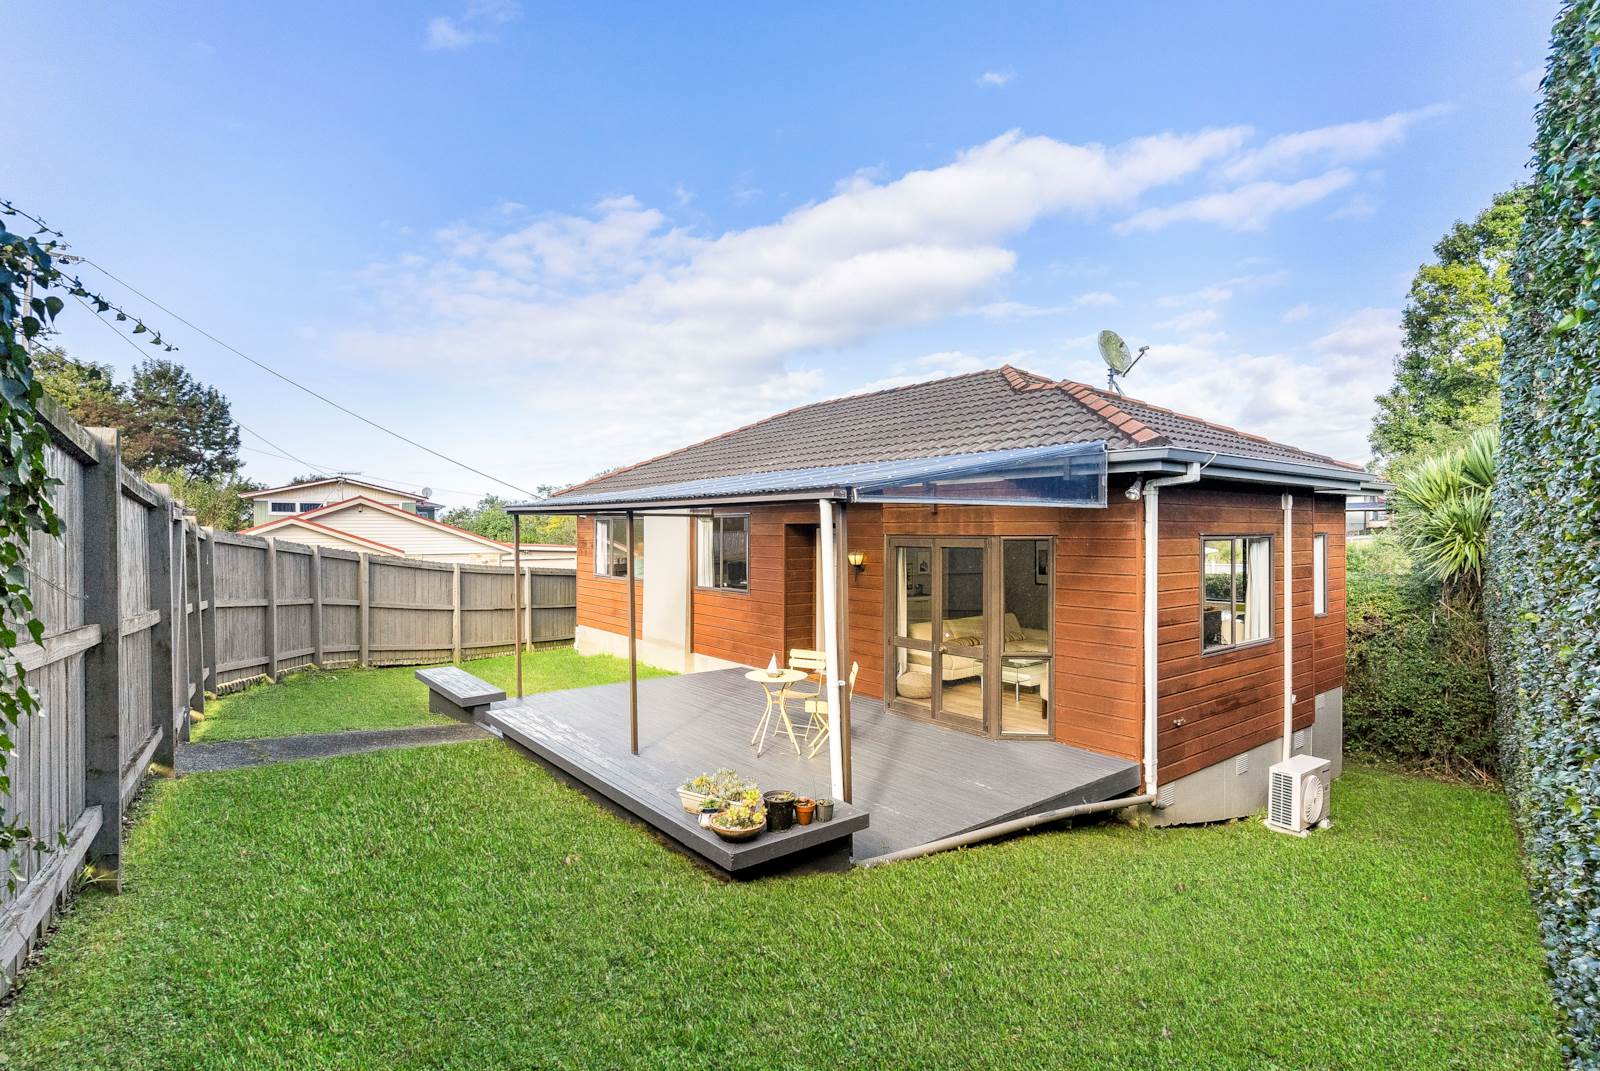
{"x": 1417, "y": 687}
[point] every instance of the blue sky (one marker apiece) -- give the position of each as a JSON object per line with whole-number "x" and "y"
{"x": 550, "y": 239}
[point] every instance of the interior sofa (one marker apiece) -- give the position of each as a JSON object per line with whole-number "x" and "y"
{"x": 917, "y": 680}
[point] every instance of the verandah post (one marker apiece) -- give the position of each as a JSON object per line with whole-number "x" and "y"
{"x": 633, "y": 648}
{"x": 830, "y": 642}
{"x": 516, "y": 592}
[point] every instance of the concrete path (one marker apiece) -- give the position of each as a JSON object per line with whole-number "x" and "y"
{"x": 233, "y": 754}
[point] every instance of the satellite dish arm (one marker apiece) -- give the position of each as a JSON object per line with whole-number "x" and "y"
{"x": 1142, "y": 351}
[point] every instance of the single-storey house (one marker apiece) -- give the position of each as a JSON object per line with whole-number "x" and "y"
{"x": 274, "y": 503}
{"x": 1006, "y": 556}
{"x": 378, "y": 527}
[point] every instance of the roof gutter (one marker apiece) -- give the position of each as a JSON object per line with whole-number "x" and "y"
{"x": 1331, "y": 478}
{"x": 1152, "y": 547}
{"x": 557, "y": 507}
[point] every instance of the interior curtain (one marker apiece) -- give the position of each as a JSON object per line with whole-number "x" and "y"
{"x": 1258, "y": 590}
{"x": 702, "y": 552}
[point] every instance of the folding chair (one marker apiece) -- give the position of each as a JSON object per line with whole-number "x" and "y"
{"x": 821, "y": 722}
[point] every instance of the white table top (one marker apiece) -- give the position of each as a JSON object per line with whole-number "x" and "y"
{"x": 783, "y": 676}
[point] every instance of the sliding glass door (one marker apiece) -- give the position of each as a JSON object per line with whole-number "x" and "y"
{"x": 969, "y": 630}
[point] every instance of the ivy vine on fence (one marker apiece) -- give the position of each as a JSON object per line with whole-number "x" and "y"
{"x": 1544, "y": 569}
{"x": 31, "y": 282}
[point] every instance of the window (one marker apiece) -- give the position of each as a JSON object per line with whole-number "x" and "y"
{"x": 611, "y": 547}
{"x": 307, "y": 507}
{"x": 1236, "y": 591}
{"x": 1319, "y": 573}
{"x": 280, "y": 507}
{"x": 722, "y": 553}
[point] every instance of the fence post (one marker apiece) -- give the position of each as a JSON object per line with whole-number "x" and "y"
{"x": 316, "y": 606}
{"x": 208, "y": 604}
{"x": 197, "y": 624}
{"x": 102, "y": 669}
{"x": 455, "y": 613}
{"x": 163, "y": 704}
{"x": 272, "y": 609}
{"x": 363, "y": 607}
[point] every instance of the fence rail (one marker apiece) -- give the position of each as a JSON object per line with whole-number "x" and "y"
{"x": 145, "y": 613}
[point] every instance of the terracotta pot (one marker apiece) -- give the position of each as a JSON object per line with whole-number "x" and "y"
{"x": 804, "y": 808}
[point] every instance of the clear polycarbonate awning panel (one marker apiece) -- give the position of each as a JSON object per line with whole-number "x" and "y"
{"x": 1066, "y": 475}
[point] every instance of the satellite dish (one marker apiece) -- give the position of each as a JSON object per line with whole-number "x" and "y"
{"x": 427, "y": 492}
{"x": 1118, "y": 357}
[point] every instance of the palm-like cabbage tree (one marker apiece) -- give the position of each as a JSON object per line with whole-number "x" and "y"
{"x": 1443, "y": 512}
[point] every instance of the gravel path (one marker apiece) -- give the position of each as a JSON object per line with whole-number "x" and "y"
{"x": 232, "y": 754}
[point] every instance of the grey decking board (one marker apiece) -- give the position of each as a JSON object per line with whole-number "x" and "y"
{"x": 919, "y": 782}
{"x": 459, "y": 686}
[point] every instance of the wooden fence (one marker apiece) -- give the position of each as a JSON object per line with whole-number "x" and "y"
{"x": 145, "y": 612}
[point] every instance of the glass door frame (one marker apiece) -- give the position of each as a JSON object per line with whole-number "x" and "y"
{"x": 993, "y": 650}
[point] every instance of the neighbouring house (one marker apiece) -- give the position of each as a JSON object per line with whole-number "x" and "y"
{"x": 381, "y": 527}
{"x": 277, "y": 502}
{"x": 1007, "y": 556}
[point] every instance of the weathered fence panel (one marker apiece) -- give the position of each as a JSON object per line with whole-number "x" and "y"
{"x": 145, "y": 613}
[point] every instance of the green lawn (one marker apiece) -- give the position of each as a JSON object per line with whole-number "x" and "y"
{"x": 454, "y": 907}
{"x": 332, "y": 701}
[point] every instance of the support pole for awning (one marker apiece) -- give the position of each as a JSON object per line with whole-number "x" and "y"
{"x": 516, "y": 590}
{"x": 830, "y": 644}
{"x": 633, "y": 649}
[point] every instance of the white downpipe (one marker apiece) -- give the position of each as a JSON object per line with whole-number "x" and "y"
{"x": 1288, "y": 626}
{"x": 830, "y": 643}
{"x": 1152, "y": 555}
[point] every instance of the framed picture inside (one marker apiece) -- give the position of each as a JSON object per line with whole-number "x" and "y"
{"x": 1041, "y": 562}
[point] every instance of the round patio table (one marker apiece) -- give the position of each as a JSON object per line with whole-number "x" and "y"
{"x": 775, "y": 687}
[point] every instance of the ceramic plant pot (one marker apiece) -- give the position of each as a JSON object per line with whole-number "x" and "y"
{"x": 804, "y": 808}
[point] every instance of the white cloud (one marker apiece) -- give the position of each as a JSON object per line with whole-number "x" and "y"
{"x": 1295, "y": 313}
{"x": 1219, "y": 292}
{"x": 996, "y": 79}
{"x": 1246, "y": 208}
{"x": 1318, "y": 397}
{"x": 688, "y": 335}
{"x": 1329, "y": 145}
{"x": 935, "y": 366}
{"x": 1190, "y": 321}
{"x": 476, "y": 24}
{"x": 1094, "y": 299}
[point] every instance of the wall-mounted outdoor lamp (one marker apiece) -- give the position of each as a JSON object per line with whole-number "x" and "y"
{"x": 857, "y": 559}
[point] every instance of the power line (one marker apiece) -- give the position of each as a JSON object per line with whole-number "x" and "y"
{"x": 301, "y": 386}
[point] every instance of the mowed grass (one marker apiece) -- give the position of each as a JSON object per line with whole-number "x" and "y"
{"x": 331, "y": 701}
{"x": 453, "y": 907}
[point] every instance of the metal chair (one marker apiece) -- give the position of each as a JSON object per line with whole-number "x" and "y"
{"x": 812, "y": 663}
{"x": 820, "y": 723}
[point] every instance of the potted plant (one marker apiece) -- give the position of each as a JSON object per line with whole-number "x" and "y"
{"x": 824, "y": 810}
{"x": 709, "y": 809}
{"x": 739, "y": 821}
{"x": 804, "y": 808}
{"x": 723, "y": 784}
{"x": 780, "y": 809}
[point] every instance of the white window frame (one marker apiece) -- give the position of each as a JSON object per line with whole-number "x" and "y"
{"x": 709, "y": 573}
{"x": 1241, "y": 543}
{"x": 282, "y": 507}
{"x": 602, "y": 545}
{"x": 1319, "y": 574}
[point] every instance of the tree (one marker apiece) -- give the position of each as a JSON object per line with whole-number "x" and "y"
{"x": 488, "y": 517}
{"x": 176, "y": 423}
{"x": 89, "y": 391}
{"x": 1442, "y": 513}
{"x": 217, "y": 503}
{"x": 1543, "y": 598}
{"x": 1447, "y": 374}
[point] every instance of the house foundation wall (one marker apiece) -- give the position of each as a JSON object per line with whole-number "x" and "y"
{"x": 1237, "y": 787}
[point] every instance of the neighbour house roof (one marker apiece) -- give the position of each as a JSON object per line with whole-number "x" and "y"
{"x": 323, "y": 513}
{"x": 335, "y": 480}
{"x": 296, "y": 520}
{"x": 997, "y": 409}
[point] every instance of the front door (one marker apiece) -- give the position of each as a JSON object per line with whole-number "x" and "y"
{"x": 970, "y": 632}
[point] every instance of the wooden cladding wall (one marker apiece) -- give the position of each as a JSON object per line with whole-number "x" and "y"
{"x": 749, "y": 627}
{"x": 603, "y": 600}
{"x": 1217, "y": 705}
{"x": 1097, "y": 605}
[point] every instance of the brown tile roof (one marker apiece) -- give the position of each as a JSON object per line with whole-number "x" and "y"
{"x": 995, "y": 409}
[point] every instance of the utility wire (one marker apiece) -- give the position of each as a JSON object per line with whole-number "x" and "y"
{"x": 302, "y": 386}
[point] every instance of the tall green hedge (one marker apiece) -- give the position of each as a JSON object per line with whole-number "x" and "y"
{"x": 1544, "y": 595}
{"x": 1417, "y": 685}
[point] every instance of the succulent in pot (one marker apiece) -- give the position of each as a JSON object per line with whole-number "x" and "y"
{"x": 739, "y": 821}
{"x": 780, "y": 809}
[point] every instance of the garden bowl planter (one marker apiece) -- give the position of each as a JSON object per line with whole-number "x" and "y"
{"x": 735, "y": 835}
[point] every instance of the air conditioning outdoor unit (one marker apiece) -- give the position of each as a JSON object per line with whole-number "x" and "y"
{"x": 1297, "y": 794}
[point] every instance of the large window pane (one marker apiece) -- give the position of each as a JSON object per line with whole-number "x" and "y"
{"x": 611, "y": 547}
{"x": 722, "y": 552}
{"x": 1025, "y": 636}
{"x": 913, "y": 619}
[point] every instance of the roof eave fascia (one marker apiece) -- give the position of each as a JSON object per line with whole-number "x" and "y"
{"x": 556, "y": 508}
{"x": 1220, "y": 466}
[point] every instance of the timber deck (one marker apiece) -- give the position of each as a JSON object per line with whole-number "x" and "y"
{"x": 913, "y": 782}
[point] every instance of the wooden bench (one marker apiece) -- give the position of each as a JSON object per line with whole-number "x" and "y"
{"x": 455, "y": 693}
